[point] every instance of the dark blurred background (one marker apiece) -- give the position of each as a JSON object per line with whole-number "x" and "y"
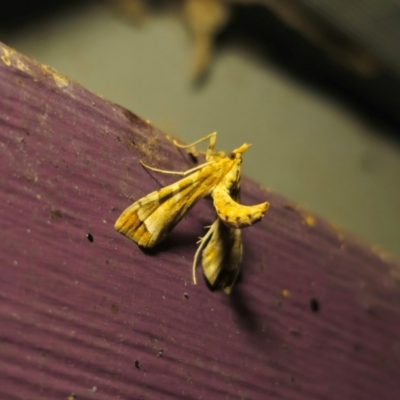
{"x": 313, "y": 85}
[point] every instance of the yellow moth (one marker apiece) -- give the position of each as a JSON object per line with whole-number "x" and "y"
{"x": 149, "y": 220}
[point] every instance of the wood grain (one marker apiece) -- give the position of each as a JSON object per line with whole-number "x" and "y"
{"x": 316, "y": 315}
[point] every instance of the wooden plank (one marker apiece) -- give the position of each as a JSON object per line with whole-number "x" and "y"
{"x": 315, "y": 314}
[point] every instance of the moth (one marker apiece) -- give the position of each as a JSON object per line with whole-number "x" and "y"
{"x": 149, "y": 220}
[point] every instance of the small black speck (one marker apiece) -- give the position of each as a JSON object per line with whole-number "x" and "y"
{"x": 90, "y": 237}
{"x": 294, "y": 332}
{"x": 137, "y": 365}
{"x": 357, "y": 347}
{"x": 314, "y": 305}
{"x": 186, "y": 295}
{"x": 55, "y": 214}
{"x": 114, "y": 308}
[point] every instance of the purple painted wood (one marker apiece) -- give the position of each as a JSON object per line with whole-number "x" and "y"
{"x": 315, "y": 315}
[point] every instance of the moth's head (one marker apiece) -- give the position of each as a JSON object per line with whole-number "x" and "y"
{"x": 237, "y": 153}
{"x": 216, "y": 156}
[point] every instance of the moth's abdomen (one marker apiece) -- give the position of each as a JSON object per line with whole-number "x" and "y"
{"x": 234, "y": 214}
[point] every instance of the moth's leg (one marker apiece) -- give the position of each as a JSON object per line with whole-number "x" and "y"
{"x": 181, "y": 173}
{"x": 212, "y": 137}
{"x": 202, "y": 242}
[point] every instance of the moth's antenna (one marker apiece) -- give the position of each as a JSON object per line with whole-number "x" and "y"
{"x": 212, "y": 137}
{"x": 181, "y": 173}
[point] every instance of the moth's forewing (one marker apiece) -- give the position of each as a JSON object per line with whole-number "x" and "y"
{"x": 150, "y": 219}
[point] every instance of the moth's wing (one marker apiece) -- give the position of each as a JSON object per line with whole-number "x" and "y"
{"x": 150, "y": 219}
{"x": 222, "y": 256}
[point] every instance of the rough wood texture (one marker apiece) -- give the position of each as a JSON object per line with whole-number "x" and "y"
{"x": 314, "y": 316}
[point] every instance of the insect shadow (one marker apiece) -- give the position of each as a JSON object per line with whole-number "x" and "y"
{"x": 240, "y": 305}
{"x": 191, "y": 156}
{"x": 261, "y": 334}
{"x": 175, "y": 240}
{"x": 243, "y": 306}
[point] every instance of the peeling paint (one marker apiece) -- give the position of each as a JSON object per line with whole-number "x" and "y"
{"x": 6, "y": 56}
{"x": 60, "y": 80}
{"x": 22, "y": 66}
{"x": 308, "y": 219}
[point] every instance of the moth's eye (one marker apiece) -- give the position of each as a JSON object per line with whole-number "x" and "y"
{"x": 232, "y": 156}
